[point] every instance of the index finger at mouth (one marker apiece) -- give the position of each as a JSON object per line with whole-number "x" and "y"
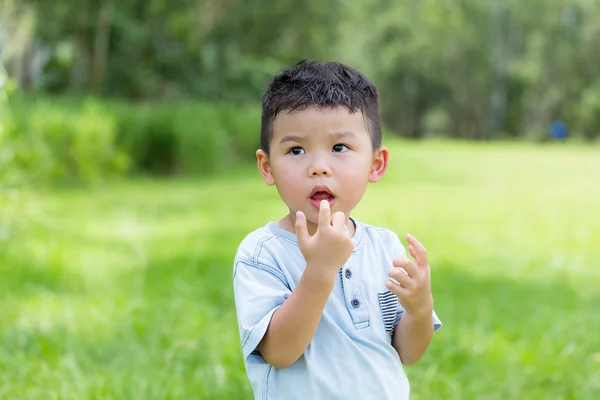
{"x": 324, "y": 214}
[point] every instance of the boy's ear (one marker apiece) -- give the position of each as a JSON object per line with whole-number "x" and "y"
{"x": 379, "y": 165}
{"x": 264, "y": 166}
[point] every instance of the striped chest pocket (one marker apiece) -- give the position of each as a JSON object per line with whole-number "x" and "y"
{"x": 388, "y": 302}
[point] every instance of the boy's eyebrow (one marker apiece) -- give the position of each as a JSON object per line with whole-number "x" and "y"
{"x": 344, "y": 134}
{"x": 299, "y": 138}
{"x": 291, "y": 138}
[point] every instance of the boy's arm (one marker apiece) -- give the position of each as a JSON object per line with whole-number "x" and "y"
{"x": 294, "y": 324}
{"x": 412, "y": 336}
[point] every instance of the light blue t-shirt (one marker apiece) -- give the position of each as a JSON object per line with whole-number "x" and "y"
{"x": 350, "y": 355}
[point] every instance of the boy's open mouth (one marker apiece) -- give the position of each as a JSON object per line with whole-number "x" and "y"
{"x": 320, "y": 193}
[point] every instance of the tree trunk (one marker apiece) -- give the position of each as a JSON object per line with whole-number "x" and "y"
{"x": 100, "y": 55}
{"x": 79, "y": 72}
{"x": 498, "y": 62}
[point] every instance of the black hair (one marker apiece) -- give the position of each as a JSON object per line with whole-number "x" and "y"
{"x": 322, "y": 85}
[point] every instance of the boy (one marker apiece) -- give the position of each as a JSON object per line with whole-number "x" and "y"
{"x": 328, "y": 307}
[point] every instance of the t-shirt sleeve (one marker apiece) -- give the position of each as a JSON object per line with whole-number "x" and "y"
{"x": 259, "y": 290}
{"x": 400, "y": 251}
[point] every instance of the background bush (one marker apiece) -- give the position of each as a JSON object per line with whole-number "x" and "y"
{"x": 89, "y": 140}
{"x": 60, "y": 143}
{"x": 11, "y": 177}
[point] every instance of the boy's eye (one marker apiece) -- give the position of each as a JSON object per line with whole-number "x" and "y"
{"x": 296, "y": 150}
{"x": 340, "y": 148}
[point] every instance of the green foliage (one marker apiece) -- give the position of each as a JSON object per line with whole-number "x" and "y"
{"x": 587, "y": 113}
{"x": 89, "y": 141}
{"x": 494, "y": 68}
{"x": 147, "y": 135}
{"x": 7, "y": 129}
{"x": 10, "y": 188}
{"x": 68, "y": 144}
{"x": 203, "y": 140}
{"x": 189, "y": 138}
{"x": 243, "y": 125}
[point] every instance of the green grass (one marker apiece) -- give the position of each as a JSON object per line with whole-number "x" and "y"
{"x": 124, "y": 291}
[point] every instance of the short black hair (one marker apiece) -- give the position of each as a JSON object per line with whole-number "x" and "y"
{"x": 310, "y": 83}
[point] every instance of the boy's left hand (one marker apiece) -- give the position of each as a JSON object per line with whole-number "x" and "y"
{"x": 414, "y": 290}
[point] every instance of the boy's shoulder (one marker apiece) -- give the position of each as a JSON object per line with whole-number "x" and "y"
{"x": 381, "y": 235}
{"x": 254, "y": 240}
{"x": 262, "y": 245}
{"x": 376, "y": 230}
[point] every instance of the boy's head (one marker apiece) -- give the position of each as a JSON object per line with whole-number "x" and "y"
{"x": 323, "y": 86}
{"x": 320, "y": 138}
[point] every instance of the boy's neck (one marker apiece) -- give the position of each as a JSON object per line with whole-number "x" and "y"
{"x": 289, "y": 224}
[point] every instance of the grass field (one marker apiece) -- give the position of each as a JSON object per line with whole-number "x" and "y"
{"x": 124, "y": 291}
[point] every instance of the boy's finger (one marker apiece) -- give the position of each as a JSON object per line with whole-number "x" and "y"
{"x": 395, "y": 288}
{"x": 412, "y": 252}
{"x": 338, "y": 220}
{"x": 324, "y": 214}
{"x": 421, "y": 252}
{"x": 301, "y": 229}
{"x": 401, "y": 277}
{"x": 408, "y": 265}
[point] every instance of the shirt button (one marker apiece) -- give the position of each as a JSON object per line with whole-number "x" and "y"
{"x": 355, "y": 303}
{"x": 348, "y": 274}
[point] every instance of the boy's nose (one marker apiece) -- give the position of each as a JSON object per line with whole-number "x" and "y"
{"x": 319, "y": 169}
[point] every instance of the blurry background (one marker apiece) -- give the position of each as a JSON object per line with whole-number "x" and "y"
{"x": 127, "y": 139}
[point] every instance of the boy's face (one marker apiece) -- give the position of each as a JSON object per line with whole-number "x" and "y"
{"x": 321, "y": 154}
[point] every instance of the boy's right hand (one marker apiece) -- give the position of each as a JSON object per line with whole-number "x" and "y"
{"x": 331, "y": 246}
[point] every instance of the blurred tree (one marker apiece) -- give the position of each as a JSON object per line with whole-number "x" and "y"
{"x": 464, "y": 68}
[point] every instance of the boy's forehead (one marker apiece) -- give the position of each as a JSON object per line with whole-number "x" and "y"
{"x": 322, "y": 120}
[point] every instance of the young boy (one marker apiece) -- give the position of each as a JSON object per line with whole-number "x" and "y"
{"x": 328, "y": 307}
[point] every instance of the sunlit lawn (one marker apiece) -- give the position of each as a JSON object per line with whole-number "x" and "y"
{"x": 124, "y": 292}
